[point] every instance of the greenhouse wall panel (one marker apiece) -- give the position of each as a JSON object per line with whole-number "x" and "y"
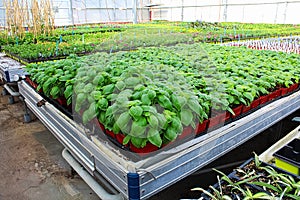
{"x": 267, "y": 11}
{"x": 82, "y": 11}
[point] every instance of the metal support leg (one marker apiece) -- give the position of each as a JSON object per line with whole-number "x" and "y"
{"x": 10, "y": 90}
{"x": 98, "y": 189}
{"x": 4, "y": 92}
{"x": 27, "y": 118}
{"x": 11, "y": 100}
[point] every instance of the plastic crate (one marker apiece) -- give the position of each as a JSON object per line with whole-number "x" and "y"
{"x": 288, "y": 157}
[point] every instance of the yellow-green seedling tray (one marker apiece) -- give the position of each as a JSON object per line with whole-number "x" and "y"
{"x": 288, "y": 157}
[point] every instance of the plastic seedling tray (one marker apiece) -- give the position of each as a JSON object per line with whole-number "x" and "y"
{"x": 288, "y": 157}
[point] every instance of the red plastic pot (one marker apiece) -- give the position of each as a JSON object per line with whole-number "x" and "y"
{"x": 34, "y": 85}
{"x": 274, "y": 95}
{"x": 237, "y": 111}
{"x": 277, "y": 93}
{"x": 271, "y": 96}
{"x": 62, "y": 101}
{"x": 245, "y": 108}
{"x": 214, "y": 121}
{"x": 187, "y": 131}
{"x": 28, "y": 80}
{"x": 293, "y": 87}
{"x": 264, "y": 99}
{"x": 142, "y": 151}
{"x": 200, "y": 128}
{"x": 227, "y": 116}
{"x": 284, "y": 91}
{"x": 222, "y": 117}
{"x": 40, "y": 90}
{"x": 255, "y": 103}
{"x": 120, "y": 137}
{"x": 100, "y": 125}
{"x": 110, "y": 133}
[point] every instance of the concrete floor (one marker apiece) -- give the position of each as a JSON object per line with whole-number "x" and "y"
{"x": 31, "y": 165}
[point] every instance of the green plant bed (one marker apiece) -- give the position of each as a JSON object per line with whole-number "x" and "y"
{"x": 86, "y": 30}
{"x": 166, "y": 87}
{"x": 46, "y": 51}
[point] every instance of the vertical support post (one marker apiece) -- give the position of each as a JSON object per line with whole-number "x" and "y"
{"x": 100, "y": 10}
{"x": 182, "y": 8}
{"x": 134, "y": 11}
{"x": 220, "y": 6}
{"x": 276, "y": 14}
{"x": 225, "y": 10}
{"x": 243, "y": 19}
{"x": 133, "y": 180}
{"x": 285, "y": 10}
{"x": 71, "y": 11}
{"x": 114, "y": 10}
{"x": 126, "y": 6}
{"x": 85, "y": 11}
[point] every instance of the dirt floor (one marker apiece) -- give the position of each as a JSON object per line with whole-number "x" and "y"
{"x": 31, "y": 165}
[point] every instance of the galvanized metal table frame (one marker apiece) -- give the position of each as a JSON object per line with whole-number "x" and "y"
{"x": 134, "y": 182}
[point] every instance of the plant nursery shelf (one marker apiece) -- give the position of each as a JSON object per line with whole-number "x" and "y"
{"x": 147, "y": 176}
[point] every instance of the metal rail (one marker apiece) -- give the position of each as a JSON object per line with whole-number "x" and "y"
{"x": 144, "y": 178}
{"x": 98, "y": 189}
{"x": 10, "y": 90}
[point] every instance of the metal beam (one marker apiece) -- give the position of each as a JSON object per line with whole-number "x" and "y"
{"x": 134, "y": 11}
{"x": 71, "y": 11}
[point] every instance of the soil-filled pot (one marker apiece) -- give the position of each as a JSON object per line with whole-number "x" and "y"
{"x": 216, "y": 120}
{"x": 200, "y": 128}
{"x": 143, "y": 151}
{"x": 293, "y": 87}
{"x": 284, "y": 91}
{"x": 62, "y": 101}
{"x": 100, "y": 125}
{"x": 237, "y": 111}
{"x": 227, "y": 116}
{"x": 120, "y": 137}
{"x": 110, "y": 133}
{"x": 246, "y": 109}
{"x": 274, "y": 95}
{"x": 264, "y": 99}
{"x": 255, "y": 103}
{"x": 187, "y": 131}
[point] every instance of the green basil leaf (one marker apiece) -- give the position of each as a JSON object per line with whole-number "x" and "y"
{"x": 55, "y": 92}
{"x": 138, "y": 142}
{"x": 123, "y": 120}
{"x": 186, "y": 117}
{"x": 136, "y": 111}
{"x": 154, "y": 137}
{"x": 153, "y": 121}
{"x": 126, "y": 140}
{"x": 170, "y": 134}
{"x": 68, "y": 91}
{"x": 194, "y": 105}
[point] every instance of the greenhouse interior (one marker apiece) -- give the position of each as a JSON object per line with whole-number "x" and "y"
{"x": 149, "y": 99}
